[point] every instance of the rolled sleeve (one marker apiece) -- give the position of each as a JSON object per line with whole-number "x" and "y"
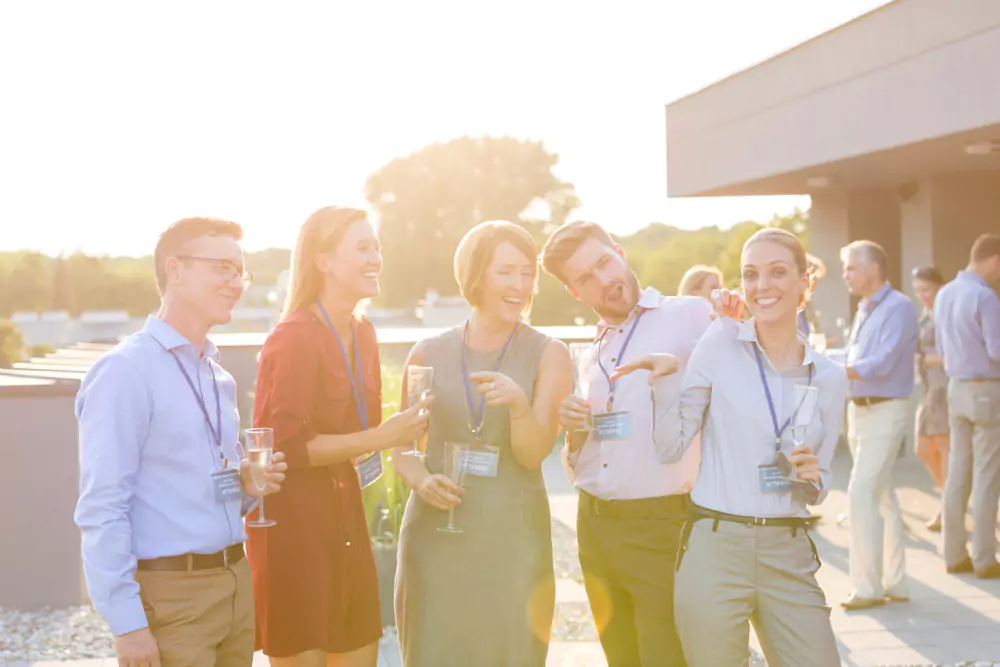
{"x": 285, "y": 395}
{"x": 113, "y": 409}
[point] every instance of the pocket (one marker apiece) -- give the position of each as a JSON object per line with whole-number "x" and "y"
{"x": 986, "y": 408}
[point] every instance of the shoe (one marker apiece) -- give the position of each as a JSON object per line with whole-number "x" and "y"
{"x": 934, "y": 525}
{"x": 897, "y": 598}
{"x": 991, "y": 572}
{"x": 854, "y": 603}
{"x": 962, "y": 568}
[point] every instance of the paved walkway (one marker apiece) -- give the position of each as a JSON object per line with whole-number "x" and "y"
{"x": 948, "y": 620}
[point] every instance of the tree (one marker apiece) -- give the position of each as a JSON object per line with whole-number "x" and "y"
{"x": 11, "y": 344}
{"x": 428, "y": 200}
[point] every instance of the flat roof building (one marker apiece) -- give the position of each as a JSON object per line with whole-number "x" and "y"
{"x": 891, "y": 123}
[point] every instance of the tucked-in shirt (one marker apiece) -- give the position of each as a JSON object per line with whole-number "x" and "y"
{"x": 628, "y": 469}
{"x": 147, "y": 455}
{"x": 882, "y": 344}
{"x": 721, "y": 394}
{"x": 967, "y": 322}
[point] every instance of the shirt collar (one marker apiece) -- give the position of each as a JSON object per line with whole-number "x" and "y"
{"x": 973, "y": 276}
{"x": 747, "y": 332}
{"x": 171, "y": 339}
{"x": 879, "y": 295}
{"x": 648, "y": 300}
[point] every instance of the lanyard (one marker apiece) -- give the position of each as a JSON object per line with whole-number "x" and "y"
{"x": 216, "y": 430}
{"x": 360, "y": 399}
{"x": 770, "y": 402}
{"x": 856, "y": 333}
{"x": 477, "y": 415}
{"x": 621, "y": 356}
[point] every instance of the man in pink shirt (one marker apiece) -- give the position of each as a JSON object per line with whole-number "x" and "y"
{"x": 632, "y": 507}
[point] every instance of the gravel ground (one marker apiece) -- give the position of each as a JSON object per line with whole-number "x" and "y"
{"x": 74, "y": 633}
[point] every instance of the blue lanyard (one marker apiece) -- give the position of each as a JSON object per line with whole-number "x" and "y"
{"x": 360, "y": 400}
{"x": 477, "y": 414}
{"x": 770, "y": 402}
{"x": 620, "y": 357}
{"x": 216, "y": 430}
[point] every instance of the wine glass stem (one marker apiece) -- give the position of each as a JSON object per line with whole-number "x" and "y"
{"x": 451, "y": 518}
{"x": 262, "y": 518}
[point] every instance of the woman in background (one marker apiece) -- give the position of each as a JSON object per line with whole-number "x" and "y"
{"x": 932, "y": 414}
{"x": 700, "y": 281}
{"x": 485, "y": 596}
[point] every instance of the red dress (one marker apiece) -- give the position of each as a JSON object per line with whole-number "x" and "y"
{"x": 314, "y": 576}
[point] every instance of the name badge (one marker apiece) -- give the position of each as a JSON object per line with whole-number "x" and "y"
{"x": 772, "y": 480}
{"x": 481, "y": 461}
{"x": 369, "y": 468}
{"x": 227, "y": 485}
{"x": 612, "y": 425}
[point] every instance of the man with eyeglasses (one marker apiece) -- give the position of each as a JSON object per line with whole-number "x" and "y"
{"x": 163, "y": 484}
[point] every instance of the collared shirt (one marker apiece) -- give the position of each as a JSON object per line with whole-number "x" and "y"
{"x": 722, "y": 396}
{"x": 628, "y": 469}
{"x": 147, "y": 455}
{"x": 882, "y": 344}
{"x": 967, "y": 322}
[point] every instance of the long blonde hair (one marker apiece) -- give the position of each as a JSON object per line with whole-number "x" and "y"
{"x": 320, "y": 232}
{"x": 695, "y": 277}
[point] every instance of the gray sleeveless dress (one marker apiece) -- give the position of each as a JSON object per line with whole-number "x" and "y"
{"x": 484, "y": 597}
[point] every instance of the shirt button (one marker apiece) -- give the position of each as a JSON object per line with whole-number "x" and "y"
{"x": 621, "y": 331}
{"x": 613, "y": 359}
{"x": 348, "y": 543}
{"x": 605, "y": 465}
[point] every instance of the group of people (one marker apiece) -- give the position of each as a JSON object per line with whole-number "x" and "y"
{"x": 703, "y": 441}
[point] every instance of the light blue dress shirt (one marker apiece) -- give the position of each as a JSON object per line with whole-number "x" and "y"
{"x": 882, "y": 344}
{"x": 967, "y": 323}
{"x": 147, "y": 455}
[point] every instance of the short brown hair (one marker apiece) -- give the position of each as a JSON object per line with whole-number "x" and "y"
{"x": 182, "y": 232}
{"x": 475, "y": 252}
{"x": 564, "y": 242}
{"x": 986, "y": 246}
{"x": 791, "y": 242}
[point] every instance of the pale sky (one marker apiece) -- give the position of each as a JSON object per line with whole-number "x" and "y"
{"x": 117, "y": 118}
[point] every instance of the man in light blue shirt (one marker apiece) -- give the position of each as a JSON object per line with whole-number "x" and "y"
{"x": 880, "y": 357}
{"x": 967, "y": 323}
{"x": 163, "y": 486}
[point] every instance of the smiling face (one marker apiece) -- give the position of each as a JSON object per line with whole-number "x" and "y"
{"x": 773, "y": 283}
{"x": 352, "y": 266}
{"x": 599, "y": 275}
{"x": 206, "y": 275}
{"x": 507, "y": 285}
{"x": 925, "y": 291}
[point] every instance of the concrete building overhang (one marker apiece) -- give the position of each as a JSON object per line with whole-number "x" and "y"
{"x": 903, "y": 92}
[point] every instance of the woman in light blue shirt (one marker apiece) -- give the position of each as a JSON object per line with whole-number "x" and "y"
{"x": 767, "y": 444}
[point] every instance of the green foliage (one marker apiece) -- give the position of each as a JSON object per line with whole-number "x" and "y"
{"x": 385, "y": 500}
{"x": 11, "y": 344}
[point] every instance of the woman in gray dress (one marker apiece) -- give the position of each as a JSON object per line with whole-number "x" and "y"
{"x": 932, "y": 414}
{"x": 484, "y": 596}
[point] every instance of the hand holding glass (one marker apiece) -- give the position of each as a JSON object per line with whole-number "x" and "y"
{"x": 419, "y": 380}
{"x": 454, "y": 469}
{"x": 260, "y": 449}
{"x": 805, "y": 398}
{"x": 582, "y": 355}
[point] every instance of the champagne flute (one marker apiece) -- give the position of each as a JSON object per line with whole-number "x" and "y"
{"x": 582, "y": 355}
{"x": 260, "y": 448}
{"x": 805, "y": 398}
{"x": 419, "y": 380}
{"x": 454, "y": 469}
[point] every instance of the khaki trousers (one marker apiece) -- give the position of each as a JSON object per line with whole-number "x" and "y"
{"x": 732, "y": 575}
{"x": 973, "y": 469}
{"x": 201, "y": 618}
{"x": 877, "y": 559}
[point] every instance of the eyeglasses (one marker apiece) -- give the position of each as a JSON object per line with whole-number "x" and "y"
{"x": 223, "y": 269}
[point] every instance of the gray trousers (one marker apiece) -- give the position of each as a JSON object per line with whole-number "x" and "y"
{"x": 732, "y": 575}
{"x": 973, "y": 469}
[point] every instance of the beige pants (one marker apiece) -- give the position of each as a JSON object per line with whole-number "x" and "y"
{"x": 973, "y": 469}
{"x": 201, "y": 618}
{"x": 732, "y": 575}
{"x": 878, "y": 561}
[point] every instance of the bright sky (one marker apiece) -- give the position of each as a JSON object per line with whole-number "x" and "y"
{"x": 118, "y": 118}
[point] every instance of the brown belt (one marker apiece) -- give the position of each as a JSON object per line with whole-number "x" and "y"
{"x": 640, "y": 508}
{"x": 871, "y": 400}
{"x": 980, "y": 380}
{"x": 189, "y": 562}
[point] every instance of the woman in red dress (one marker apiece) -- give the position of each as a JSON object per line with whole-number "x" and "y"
{"x": 319, "y": 387}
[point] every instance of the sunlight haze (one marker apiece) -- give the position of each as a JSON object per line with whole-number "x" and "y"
{"x": 123, "y": 117}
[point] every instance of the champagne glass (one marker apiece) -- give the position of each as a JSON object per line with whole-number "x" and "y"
{"x": 260, "y": 448}
{"x": 582, "y": 355}
{"x": 419, "y": 380}
{"x": 805, "y": 398}
{"x": 454, "y": 469}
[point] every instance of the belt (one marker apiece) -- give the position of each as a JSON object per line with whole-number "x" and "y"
{"x": 640, "y": 508}
{"x": 867, "y": 401}
{"x": 978, "y": 380}
{"x": 189, "y": 562}
{"x": 698, "y": 512}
